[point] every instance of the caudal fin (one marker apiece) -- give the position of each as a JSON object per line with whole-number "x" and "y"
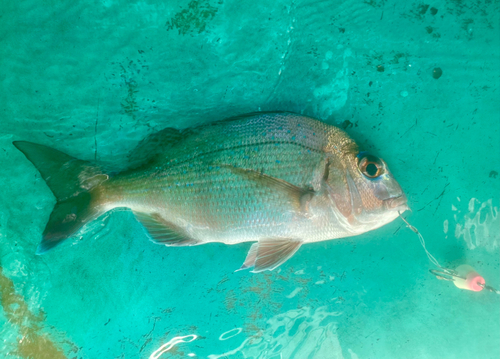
{"x": 71, "y": 181}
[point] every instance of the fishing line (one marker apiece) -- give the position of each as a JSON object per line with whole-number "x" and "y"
{"x": 422, "y": 242}
{"x": 464, "y": 276}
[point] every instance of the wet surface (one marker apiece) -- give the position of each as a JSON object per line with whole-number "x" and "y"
{"x": 415, "y": 83}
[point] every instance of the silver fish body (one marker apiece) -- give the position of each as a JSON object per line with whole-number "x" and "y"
{"x": 279, "y": 179}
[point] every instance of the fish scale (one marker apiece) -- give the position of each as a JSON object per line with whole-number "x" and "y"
{"x": 276, "y": 155}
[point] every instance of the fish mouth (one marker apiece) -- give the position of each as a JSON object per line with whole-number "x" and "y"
{"x": 398, "y": 203}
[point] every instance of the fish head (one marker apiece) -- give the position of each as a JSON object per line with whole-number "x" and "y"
{"x": 364, "y": 191}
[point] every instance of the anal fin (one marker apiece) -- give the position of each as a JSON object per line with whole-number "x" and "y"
{"x": 270, "y": 253}
{"x": 251, "y": 256}
{"x": 164, "y": 232}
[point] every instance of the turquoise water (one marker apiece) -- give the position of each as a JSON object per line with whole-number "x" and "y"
{"x": 415, "y": 83}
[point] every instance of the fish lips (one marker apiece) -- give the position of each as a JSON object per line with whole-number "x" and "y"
{"x": 387, "y": 189}
{"x": 397, "y": 203}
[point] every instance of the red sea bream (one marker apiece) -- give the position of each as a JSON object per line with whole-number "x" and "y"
{"x": 277, "y": 179}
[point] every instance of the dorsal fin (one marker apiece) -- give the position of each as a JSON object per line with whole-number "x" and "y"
{"x": 248, "y": 115}
{"x": 235, "y": 118}
{"x": 158, "y": 143}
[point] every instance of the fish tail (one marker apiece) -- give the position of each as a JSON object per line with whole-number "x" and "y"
{"x": 74, "y": 183}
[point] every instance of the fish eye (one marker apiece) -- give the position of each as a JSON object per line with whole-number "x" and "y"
{"x": 369, "y": 165}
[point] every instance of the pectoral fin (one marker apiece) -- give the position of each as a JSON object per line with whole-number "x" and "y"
{"x": 270, "y": 253}
{"x": 164, "y": 232}
{"x": 299, "y": 197}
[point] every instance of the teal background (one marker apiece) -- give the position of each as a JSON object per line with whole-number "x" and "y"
{"x": 93, "y": 78}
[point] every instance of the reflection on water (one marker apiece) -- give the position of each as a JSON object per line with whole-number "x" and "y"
{"x": 479, "y": 226}
{"x": 298, "y": 333}
{"x": 171, "y": 344}
{"x": 230, "y": 333}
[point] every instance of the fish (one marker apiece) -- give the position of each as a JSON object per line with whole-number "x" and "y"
{"x": 278, "y": 179}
